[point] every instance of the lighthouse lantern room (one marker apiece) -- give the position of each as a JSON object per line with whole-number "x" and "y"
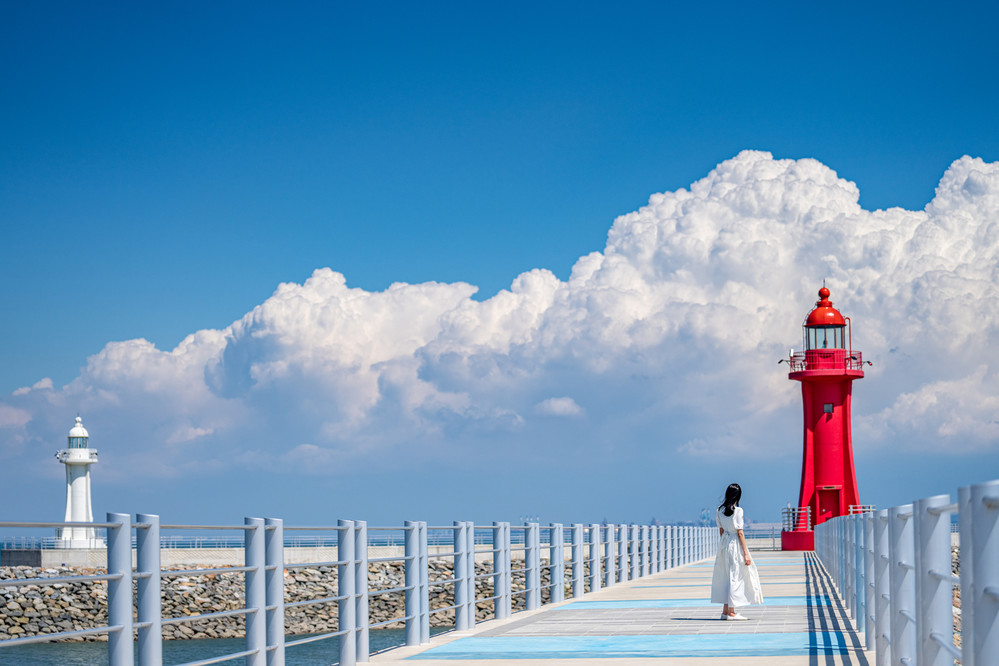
{"x": 78, "y": 457}
{"x": 826, "y": 369}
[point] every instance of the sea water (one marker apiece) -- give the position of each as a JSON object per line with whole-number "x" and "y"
{"x": 322, "y": 652}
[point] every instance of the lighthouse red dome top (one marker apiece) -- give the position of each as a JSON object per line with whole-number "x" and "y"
{"x": 824, "y": 314}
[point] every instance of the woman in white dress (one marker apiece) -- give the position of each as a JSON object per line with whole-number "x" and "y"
{"x": 734, "y": 581}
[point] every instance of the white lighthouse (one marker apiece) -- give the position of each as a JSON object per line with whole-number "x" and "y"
{"x": 78, "y": 458}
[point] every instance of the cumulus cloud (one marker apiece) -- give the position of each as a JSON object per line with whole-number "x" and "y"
{"x": 41, "y": 385}
{"x": 559, "y": 407}
{"x": 12, "y": 417}
{"x": 669, "y": 334}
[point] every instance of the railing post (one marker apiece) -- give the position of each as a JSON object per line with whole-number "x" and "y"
{"x": 532, "y": 564}
{"x": 966, "y": 553}
{"x": 508, "y": 578}
{"x": 411, "y": 553}
{"x": 148, "y": 602}
{"x": 634, "y": 552}
{"x": 985, "y": 571}
{"x": 643, "y": 552}
{"x": 670, "y": 547}
{"x": 623, "y": 541}
{"x": 596, "y": 548}
{"x": 903, "y": 585}
{"x": 346, "y": 588}
{"x": 869, "y": 587}
{"x": 361, "y": 617}
{"x": 646, "y": 551}
{"x": 556, "y": 561}
{"x": 254, "y": 550}
{"x": 856, "y": 574}
{"x": 636, "y": 555}
{"x": 461, "y": 622}
{"x": 848, "y": 568}
{"x": 861, "y": 577}
{"x": 500, "y": 567}
{"x": 660, "y": 548}
{"x": 652, "y": 547}
{"x": 882, "y": 589}
{"x": 470, "y": 572}
{"x": 577, "y": 560}
{"x": 274, "y": 558}
{"x": 610, "y": 557}
{"x": 653, "y": 540}
{"x": 841, "y": 562}
{"x": 119, "y": 559}
{"x": 425, "y": 584}
{"x": 934, "y": 590}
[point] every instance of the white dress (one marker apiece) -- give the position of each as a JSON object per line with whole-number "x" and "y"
{"x": 732, "y": 582}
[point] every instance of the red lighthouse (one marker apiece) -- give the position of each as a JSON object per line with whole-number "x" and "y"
{"x": 826, "y": 370}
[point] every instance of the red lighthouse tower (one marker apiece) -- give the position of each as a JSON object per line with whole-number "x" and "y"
{"x": 826, "y": 370}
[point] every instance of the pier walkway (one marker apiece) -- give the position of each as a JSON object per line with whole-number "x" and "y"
{"x": 666, "y": 619}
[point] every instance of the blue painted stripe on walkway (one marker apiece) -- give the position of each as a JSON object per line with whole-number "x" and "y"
{"x": 758, "y": 565}
{"x": 606, "y": 647}
{"x": 708, "y": 584}
{"x": 822, "y": 600}
{"x": 644, "y": 587}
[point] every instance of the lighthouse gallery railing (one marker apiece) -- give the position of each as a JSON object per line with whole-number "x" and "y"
{"x": 893, "y": 569}
{"x": 611, "y": 553}
{"x": 827, "y": 359}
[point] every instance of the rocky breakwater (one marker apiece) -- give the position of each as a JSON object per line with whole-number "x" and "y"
{"x": 35, "y": 608}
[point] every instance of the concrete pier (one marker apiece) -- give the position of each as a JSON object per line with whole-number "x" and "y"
{"x": 666, "y": 618}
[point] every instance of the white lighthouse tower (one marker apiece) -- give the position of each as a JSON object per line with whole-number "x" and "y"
{"x": 78, "y": 458}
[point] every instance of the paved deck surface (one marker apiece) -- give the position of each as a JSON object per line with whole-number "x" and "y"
{"x": 666, "y": 619}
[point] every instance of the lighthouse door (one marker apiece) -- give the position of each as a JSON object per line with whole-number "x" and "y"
{"x": 828, "y": 504}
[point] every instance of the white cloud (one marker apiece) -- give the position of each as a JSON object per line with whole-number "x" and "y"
{"x": 670, "y": 334}
{"x": 44, "y": 384}
{"x": 559, "y": 407}
{"x": 12, "y": 417}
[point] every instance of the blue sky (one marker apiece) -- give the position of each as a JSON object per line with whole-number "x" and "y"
{"x": 164, "y": 168}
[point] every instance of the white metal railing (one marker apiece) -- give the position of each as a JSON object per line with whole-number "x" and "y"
{"x": 613, "y": 553}
{"x": 893, "y": 569}
{"x": 796, "y": 518}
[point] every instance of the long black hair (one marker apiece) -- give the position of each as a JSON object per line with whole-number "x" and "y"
{"x": 732, "y": 496}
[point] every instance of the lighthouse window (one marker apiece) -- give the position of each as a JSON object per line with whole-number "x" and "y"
{"x": 827, "y": 408}
{"x": 826, "y": 337}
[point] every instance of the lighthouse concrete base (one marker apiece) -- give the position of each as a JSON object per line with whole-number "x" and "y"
{"x": 798, "y": 540}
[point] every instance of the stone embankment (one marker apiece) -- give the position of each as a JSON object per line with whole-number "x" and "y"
{"x": 33, "y": 608}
